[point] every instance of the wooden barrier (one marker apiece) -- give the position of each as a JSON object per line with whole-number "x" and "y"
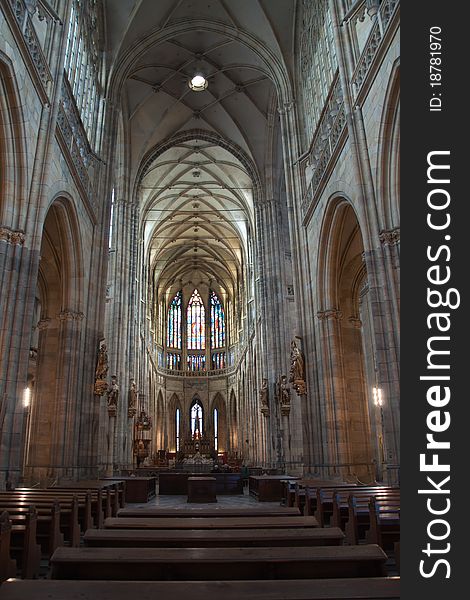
{"x": 210, "y": 523}
{"x": 380, "y": 588}
{"x": 219, "y": 511}
{"x": 7, "y": 564}
{"x": 202, "y": 564}
{"x": 223, "y": 538}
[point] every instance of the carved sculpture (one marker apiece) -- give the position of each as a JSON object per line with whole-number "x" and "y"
{"x": 264, "y": 397}
{"x": 101, "y": 373}
{"x": 132, "y": 400}
{"x": 144, "y": 422}
{"x": 297, "y": 369}
{"x": 113, "y": 395}
{"x": 284, "y": 395}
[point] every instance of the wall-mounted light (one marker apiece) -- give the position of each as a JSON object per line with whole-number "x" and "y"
{"x": 26, "y": 397}
{"x": 377, "y": 396}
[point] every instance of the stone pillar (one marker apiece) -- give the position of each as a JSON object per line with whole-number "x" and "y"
{"x": 15, "y": 261}
{"x": 334, "y": 415}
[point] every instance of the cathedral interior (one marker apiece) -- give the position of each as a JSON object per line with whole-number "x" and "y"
{"x": 199, "y": 239}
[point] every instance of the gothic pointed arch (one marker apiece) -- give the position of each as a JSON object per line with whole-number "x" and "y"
{"x": 13, "y": 161}
{"x": 347, "y": 358}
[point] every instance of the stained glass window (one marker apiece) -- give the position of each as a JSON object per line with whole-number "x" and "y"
{"x": 196, "y": 323}
{"x": 82, "y": 64}
{"x": 196, "y": 362}
{"x": 173, "y": 361}
{"x": 196, "y": 420}
{"x": 216, "y": 429}
{"x": 174, "y": 323}
{"x": 217, "y": 323}
{"x": 218, "y": 360}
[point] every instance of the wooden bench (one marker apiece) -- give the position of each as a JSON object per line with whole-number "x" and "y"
{"x": 196, "y": 564}
{"x": 76, "y": 508}
{"x": 359, "y": 515}
{"x": 310, "y": 496}
{"x": 138, "y": 489}
{"x": 92, "y": 505}
{"x": 340, "y": 499}
{"x": 384, "y": 522}
{"x": 23, "y": 546}
{"x": 341, "y": 502}
{"x": 114, "y": 490}
{"x": 105, "y": 501}
{"x": 7, "y": 564}
{"x": 210, "y": 523}
{"x": 378, "y": 588}
{"x": 223, "y": 538}
{"x": 48, "y": 533}
{"x": 305, "y": 489}
{"x": 219, "y": 511}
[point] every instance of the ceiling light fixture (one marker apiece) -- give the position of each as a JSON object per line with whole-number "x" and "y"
{"x": 198, "y": 82}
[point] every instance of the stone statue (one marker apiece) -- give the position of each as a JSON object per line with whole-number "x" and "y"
{"x": 264, "y": 397}
{"x": 132, "y": 400}
{"x": 284, "y": 391}
{"x": 297, "y": 369}
{"x": 113, "y": 395}
{"x": 102, "y": 366}
{"x": 284, "y": 395}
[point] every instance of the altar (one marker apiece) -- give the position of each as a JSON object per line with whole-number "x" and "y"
{"x": 197, "y": 446}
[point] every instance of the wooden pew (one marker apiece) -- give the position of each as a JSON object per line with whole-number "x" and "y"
{"x": 378, "y": 588}
{"x": 310, "y": 500}
{"x": 113, "y": 490}
{"x": 75, "y": 511}
{"x": 359, "y": 515}
{"x": 48, "y": 532}
{"x": 196, "y": 564}
{"x": 210, "y": 523}
{"x": 91, "y": 504}
{"x": 223, "y": 538}
{"x": 258, "y": 511}
{"x": 7, "y": 564}
{"x": 23, "y": 546}
{"x": 384, "y": 522}
{"x": 340, "y": 502}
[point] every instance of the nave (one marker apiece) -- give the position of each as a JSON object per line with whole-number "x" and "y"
{"x": 200, "y": 295}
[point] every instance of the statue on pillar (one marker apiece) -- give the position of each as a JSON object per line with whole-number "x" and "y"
{"x": 113, "y": 395}
{"x": 284, "y": 395}
{"x": 264, "y": 397}
{"x": 101, "y": 373}
{"x": 297, "y": 369}
{"x": 132, "y": 400}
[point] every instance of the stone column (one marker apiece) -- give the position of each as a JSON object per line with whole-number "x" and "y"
{"x": 334, "y": 416}
{"x": 15, "y": 260}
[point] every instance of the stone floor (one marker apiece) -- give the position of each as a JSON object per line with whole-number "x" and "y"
{"x": 237, "y": 501}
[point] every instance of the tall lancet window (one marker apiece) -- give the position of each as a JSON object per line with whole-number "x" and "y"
{"x": 216, "y": 429}
{"x": 217, "y": 322}
{"x": 196, "y": 420}
{"x": 217, "y": 333}
{"x": 174, "y": 323}
{"x": 177, "y": 429}
{"x": 196, "y": 323}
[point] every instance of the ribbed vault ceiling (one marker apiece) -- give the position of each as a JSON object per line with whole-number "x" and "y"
{"x": 197, "y": 197}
